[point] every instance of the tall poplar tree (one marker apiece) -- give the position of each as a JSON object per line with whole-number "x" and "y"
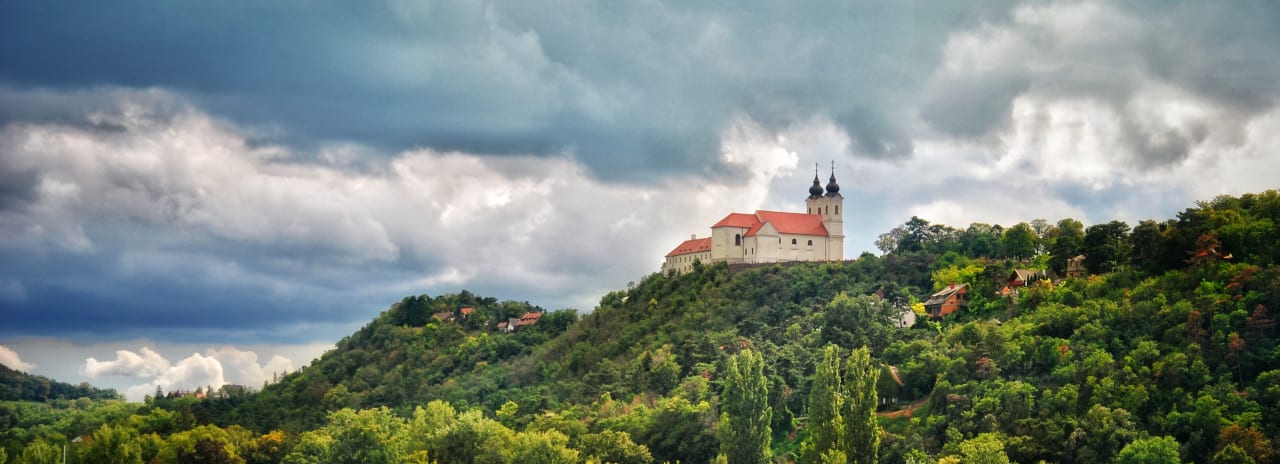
{"x": 825, "y": 424}
{"x": 745, "y": 413}
{"x": 861, "y": 430}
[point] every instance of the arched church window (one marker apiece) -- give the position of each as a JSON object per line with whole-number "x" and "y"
{"x": 793, "y": 241}
{"x": 837, "y": 210}
{"x": 737, "y": 239}
{"x": 811, "y": 243}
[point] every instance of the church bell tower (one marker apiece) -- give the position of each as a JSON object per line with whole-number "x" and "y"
{"x": 831, "y": 207}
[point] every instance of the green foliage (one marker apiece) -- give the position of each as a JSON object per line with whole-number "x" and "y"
{"x": 744, "y": 424}
{"x": 825, "y": 424}
{"x": 19, "y": 386}
{"x": 614, "y": 447}
{"x": 1019, "y": 241}
{"x": 39, "y": 452}
{"x": 113, "y": 445}
{"x": 1068, "y": 243}
{"x": 1155, "y": 450}
{"x": 1106, "y": 247}
{"x": 986, "y": 448}
{"x": 861, "y": 429}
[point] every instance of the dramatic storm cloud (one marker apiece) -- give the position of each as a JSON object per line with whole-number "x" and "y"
{"x": 242, "y": 173}
{"x": 184, "y": 223}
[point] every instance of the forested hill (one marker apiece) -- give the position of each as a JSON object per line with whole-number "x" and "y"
{"x": 1164, "y": 351}
{"x": 1172, "y": 334}
{"x": 20, "y": 386}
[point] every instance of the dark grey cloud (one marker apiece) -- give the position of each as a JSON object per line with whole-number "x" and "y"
{"x": 635, "y": 91}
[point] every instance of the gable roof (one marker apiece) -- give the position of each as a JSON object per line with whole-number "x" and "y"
{"x": 691, "y": 246}
{"x": 790, "y": 223}
{"x": 742, "y": 220}
{"x": 942, "y": 295}
{"x": 468, "y": 310}
{"x": 1027, "y": 274}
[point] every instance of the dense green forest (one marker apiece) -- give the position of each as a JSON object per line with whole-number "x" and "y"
{"x": 1166, "y": 351}
{"x": 20, "y": 386}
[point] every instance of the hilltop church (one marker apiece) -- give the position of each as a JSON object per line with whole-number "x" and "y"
{"x": 771, "y": 236}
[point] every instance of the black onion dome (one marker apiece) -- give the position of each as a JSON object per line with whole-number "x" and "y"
{"x": 816, "y": 189}
{"x": 832, "y": 187}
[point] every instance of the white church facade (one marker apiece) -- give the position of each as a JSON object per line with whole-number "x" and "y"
{"x": 771, "y": 236}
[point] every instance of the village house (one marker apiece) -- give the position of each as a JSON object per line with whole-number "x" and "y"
{"x": 529, "y": 319}
{"x": 948, "y": 300}
{"x": 1075, "y": 267}
{"x": 770, "y": 236}
{"x": 515, "y": 323}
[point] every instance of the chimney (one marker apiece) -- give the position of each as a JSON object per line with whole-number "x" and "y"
{"x": 693, "y": 236}
{"x": 953, "y": 285}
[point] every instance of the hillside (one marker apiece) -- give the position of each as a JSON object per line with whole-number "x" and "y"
{"x": 20, "y": 386}
{"x": 1166, "y": 347}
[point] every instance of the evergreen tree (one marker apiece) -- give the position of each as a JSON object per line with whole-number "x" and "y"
{"x": 861, "y": 430}
{"x": 825, "y": 425}
{"x": 745, "y": 413}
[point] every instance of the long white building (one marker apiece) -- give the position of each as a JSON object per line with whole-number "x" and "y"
{"x": 771, "y": 236}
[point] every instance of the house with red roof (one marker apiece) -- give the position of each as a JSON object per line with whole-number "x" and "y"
{"x": 771, "y": 236}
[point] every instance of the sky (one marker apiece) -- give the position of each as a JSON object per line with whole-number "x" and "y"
{"x": 194, "y": 194}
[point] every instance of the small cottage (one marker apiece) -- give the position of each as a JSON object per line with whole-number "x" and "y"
{"x": 947, "y": 301}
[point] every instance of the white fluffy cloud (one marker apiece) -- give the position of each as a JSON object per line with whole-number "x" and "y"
{"x": 10, "y": 358}
{"x": 214, "y": 368}
{"x": 128, "y": 364}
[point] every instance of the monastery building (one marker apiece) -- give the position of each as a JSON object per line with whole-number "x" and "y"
{"x": 771, "y": 236}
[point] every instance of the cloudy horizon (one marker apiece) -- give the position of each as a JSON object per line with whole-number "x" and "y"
{"x": 195, "y": 194}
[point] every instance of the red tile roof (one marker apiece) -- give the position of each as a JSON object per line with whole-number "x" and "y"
{"x": 529, "y": 319}
{"x": 466, "y": 311}
{"x": 692, "y": 246}
{"x": 790, "y": 223}
{"x": 743, "y": 220}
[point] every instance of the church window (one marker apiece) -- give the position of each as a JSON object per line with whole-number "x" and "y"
{"x": 811, "y": 243}
{"x": 827, "y": 210}
{"x": 793, "y": 241}
{"x": 737, "y": 239}
{"x": 837, "y": 210}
